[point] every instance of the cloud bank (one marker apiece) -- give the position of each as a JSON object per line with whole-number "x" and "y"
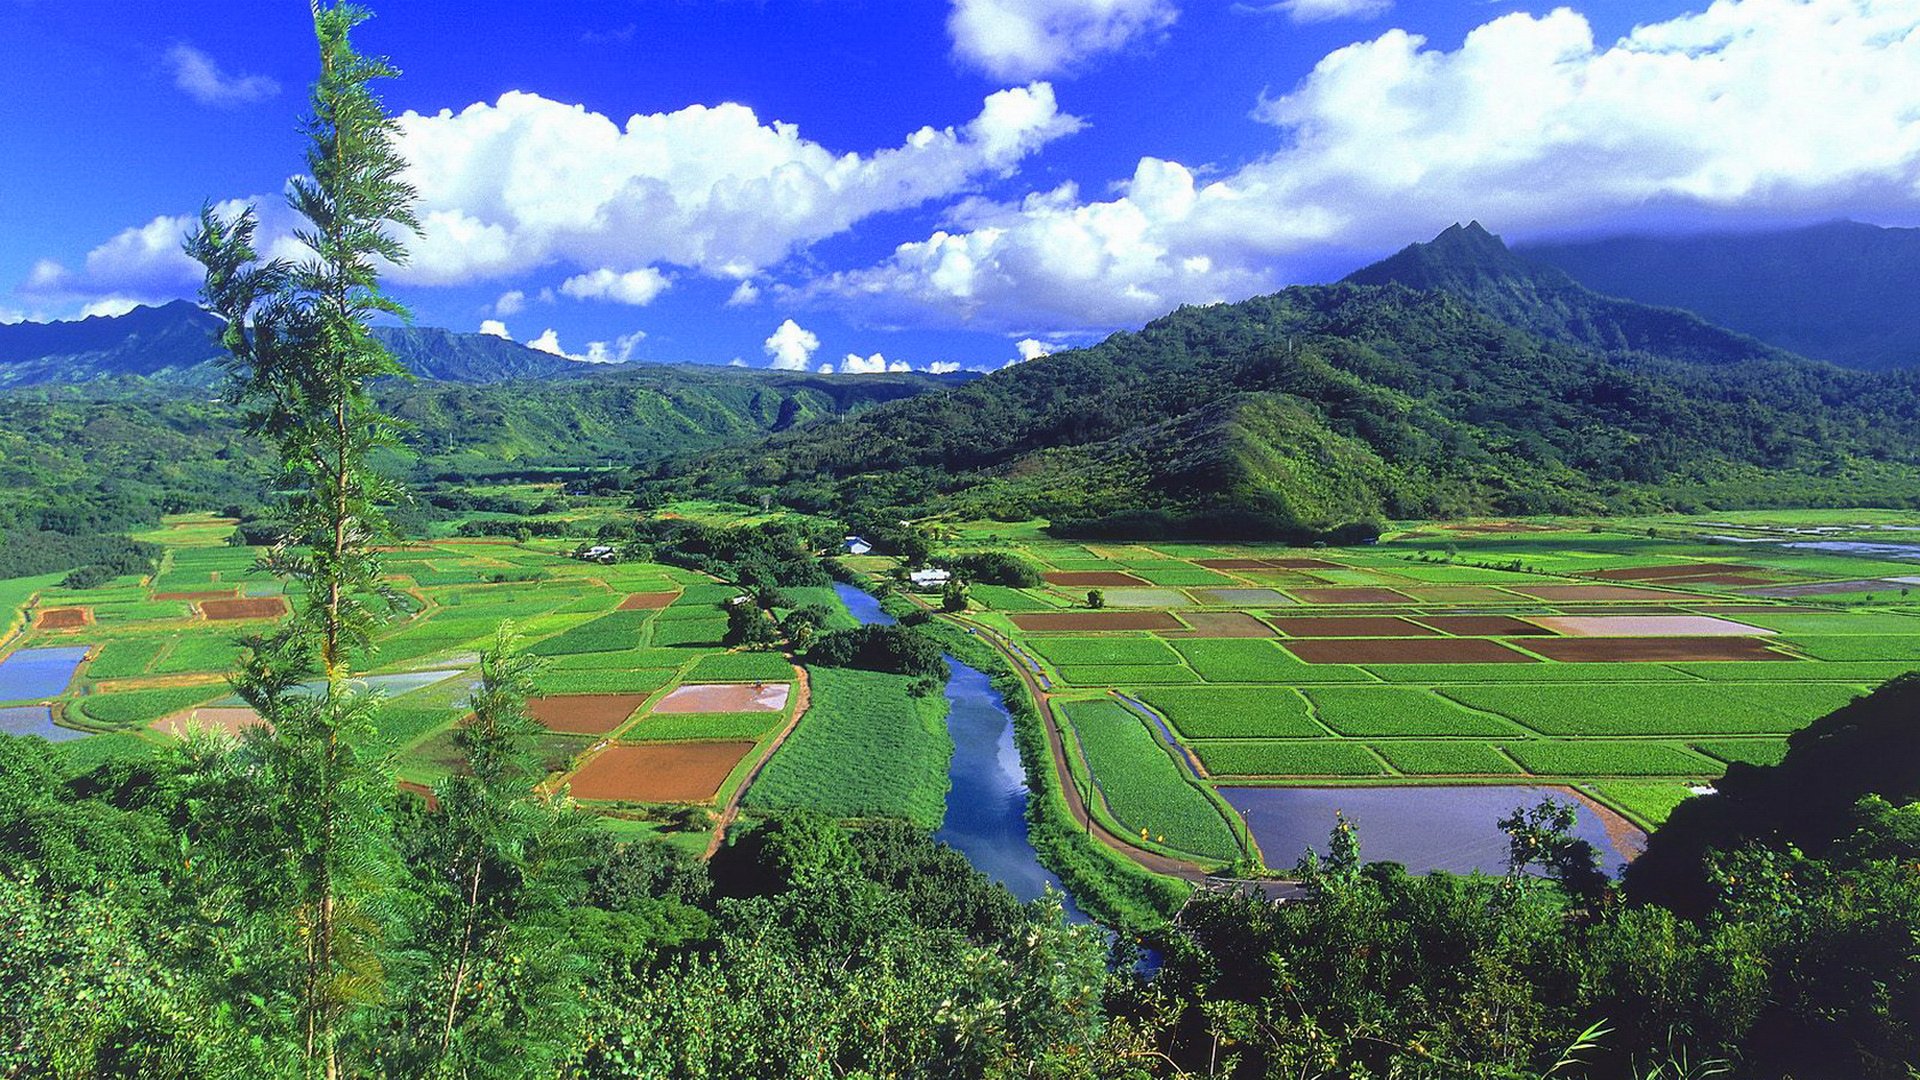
{"x": 1024, "y": 39}
{"x": 195, "y": 73}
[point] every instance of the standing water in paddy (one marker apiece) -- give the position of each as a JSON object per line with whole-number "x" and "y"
{"x": 39, "y": 673}
{"x": 987, "y": 805}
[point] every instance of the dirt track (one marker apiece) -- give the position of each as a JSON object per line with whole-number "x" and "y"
{"x": 803, "y": 696}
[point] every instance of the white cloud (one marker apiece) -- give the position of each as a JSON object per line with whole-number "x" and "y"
{"x": 942, "y": 367}
{"x": 1021, "y": 39}
{"x": 636, "y": 287}
{"x": 1031, "y": 349}
{"x": 854, "y": 364}
{"x": 526, "y": 182}
{"x": 736, "y": 362}
{"x": 1761, "y": 110}
{"x": 618, "y": 351}
{"x": 791, "y": 347}
{"x": 196, "y": 73}
{"x": 495, "y": 328}
{"x": 511, "y": 302}
{"x": 1317, "y": 11}
{"x": 549, "y": 342}
{"x": 744, "y": 294}
{"x": 826, "y": 369}
{"x": 109, "y": 306}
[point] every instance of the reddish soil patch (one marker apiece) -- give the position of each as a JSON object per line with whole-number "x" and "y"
{"x": 422, "y": 792}
{"x": 1678, "y": 570}
{"x": 1485, "y": 626}
{"x": 1332, "y": 626}
{"x": 1630, "y": 650}
{"x": 196, "y": 597}
{"x": 648, "y": 601}
{"x": 263, "y": 607}
{"x": 1096, "y": 620}
{"x": 1302, "y": 564}
{"x": 1222, "y": 624}
{"x": 1231, "y": 564}
{"x": 1406, "y": 651}
{"x": 1091, "y": 577}
{"x": 660, "y": 772}
{"x": 725, "y": 698}
{"x": 584, "y": 714}
{"x": 1362, "y": 595}
{"x": 214, "y": 718}
{"x": 1648, "y": 626}
{"x": 1590, "y": 592}
{"x": 64, "y": 618}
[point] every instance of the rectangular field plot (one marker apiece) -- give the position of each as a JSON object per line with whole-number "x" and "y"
{"x": 1434, "y": 674}
{"x": 1349, "y": 626}
{"x": 1399, "y": 710}
{"x": 265, "y": 607}
{"x": 609, "y": 681}
{"x": 1143, "y": 786}
{"x": 1406, "y": 651}
{"x": 725, "y": 698}
{"x": 1894, "y": 647}
{"x": 1594, "y": 592}
{"x": 608, "y": 633}
{"x": 1648, "y": 626}
{"x": 1361, "y": 595}
{"x": 1849, "y": 671}
{"x": 704, "y": 631}
{"x": 1446, "y": 757}
{"x": 1068, "y": 621}
{"x": 1674, "y": 709}
{"x": 1229, "y": 712}
{"x": 1222, "y": 624}
{"x": 1126, "y": 674}
{"x": 741, "y": 667}
{"x": 1750, "y": 751}
{"x": 124, "y": 659}
{"x": 1002, "y": 598}
{"x": 1252, "y": 757}
{"x": 1148, "y": 598}
{"x": 1485, "y": 626}
{"x": 1249, "y": 661}
{"x": 584, "y": 714}
{"x": 1599, "y": 757}
{"x": 1103, "y": 650}
{"x": 1256, "y": 598}
{"x": 1649, "y": 803}
{"x": 1798, "y": 623}
{"x": 865, "y": 748}
{"x": 655, "y": 727}
{"x": 1652, "y": 649}
{"x": 658, "y": 772}
{"x": 647, "y": 601}
{"x": 1182, "y": 574}
{"x": 1080, "y": 579}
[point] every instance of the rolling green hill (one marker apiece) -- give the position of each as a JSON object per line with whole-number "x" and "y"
{"x": 1452, "y": 379}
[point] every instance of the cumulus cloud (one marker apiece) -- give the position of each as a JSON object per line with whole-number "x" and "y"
{"x": 496, "y": 328}
{"x": 618, "y": 351}
{"x": 791, "y": 347}
{"x": 1317, "y": 11}
{"x": 942, "y": 367}
{"x": 1759, "y": 110}
{"x": 1022, "y": 39}
{"x": 855, "y": 364}
{"x": 636, "y": 287}
{"x": 1031, "y": 349}
{"x": 744, "y": 294}
{"x": 549, "y": 342}
{"x": 196, "y": 73}
{"x": 526, "y": 181}
{"x": 511, "y": 302}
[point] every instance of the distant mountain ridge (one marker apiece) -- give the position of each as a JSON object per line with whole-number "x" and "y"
{"x": 1842, "y": 291}
{"x": 174, "y": 344}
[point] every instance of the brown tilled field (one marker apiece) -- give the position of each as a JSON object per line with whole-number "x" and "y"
{"x": 1091, "y": 577}
{"x": 196, "y": 597}
{"x": 1301, "y": 564}
{"x": 1331, "y": 626}
{"x": 1629, "y": 650}
{"x": 263, "y": 607}
{"x": 1359, "y": 595}
{"x": 1484, "y": 626}
{"x": 1591, "y": 592}
{"x": 1648, "y": 626}
{"x": 1042, "y": 621}
{"x": 64, "y": 618}
{"x": 1406, "y": 651}
{"x": 725, "y": 698}
{"x": 659, "y": 772}
{"x": 584, "y": 714}
{"x": 648, "y": 601}
{"x": 1222, "y": 624}
{"x": 232, "y": 720}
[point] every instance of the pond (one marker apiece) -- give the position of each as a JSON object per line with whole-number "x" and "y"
{"x": 31, "y": 674}
{"x": 35, "y": 720}
{"x": 1422, "y": 828}
{"x": 987, "y": 805}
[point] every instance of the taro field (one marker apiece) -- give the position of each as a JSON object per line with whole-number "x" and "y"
{"x": 647, "y": 716}
{"x": 1634, "y": 661}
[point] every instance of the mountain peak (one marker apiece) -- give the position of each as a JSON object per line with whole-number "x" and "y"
{"x": 1462, "y": 256}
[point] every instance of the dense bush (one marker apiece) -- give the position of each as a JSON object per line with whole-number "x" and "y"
{"x": 899, "y": 649}
{"x": 993, "y": 568}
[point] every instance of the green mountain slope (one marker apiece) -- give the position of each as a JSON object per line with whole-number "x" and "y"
{"x": 1498, "y": 388}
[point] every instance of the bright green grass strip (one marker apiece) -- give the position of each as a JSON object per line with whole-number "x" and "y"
{"x": 613, "y": 632}
{"x": 200, "y": 652}
{"x": 703, "y": 632}
{"x": 1602, "y": 757}
{"x": 838, "y": 617}
{"x": 510, "y": 602}
{"x": 707, "y": 594}
{"x": 1143, "y": 786}
{"x": 1750, "y": 751}
{"x": 1202, "y": 712}
{"x": 1125, "y": 674}
{"x": 1002, "y": 598}
{"x": 131, "y": 708}
{"x": 1861, "y": 646}
{"x": 184, "y": 581}
{"x": 1257, "y": 660}
{"x": 693, "y": 726}
{"x": 1400, "y": 710}
{"x": 1440, "y": 574}
{"x": 1183, "y": 575}
{"x": 610, "y": 681}
{"x": 1817, "y": 624}
{"x": 1446, "y": 757}
{"x": 644, "y": 657}
{"x": 1103, "y": 650}
{"x": 124, "y": 659}
{"x": 148, "y": 611}
{"x": 1790, "y": 671}
{"x": 84, "y": 755}
{"x": 1250, "y": 757}
{"x": 741, "y": 667}
{"x": 400, "y": 726}
{"x": 1508, "y": 674}
{"x": 866, "y": 748}
{"x": 1658, "y": 709}
{"x": 1648, "y": 803}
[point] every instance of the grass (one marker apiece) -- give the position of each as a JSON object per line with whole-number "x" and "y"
{"x": 1750, "y": 751}
{"x": 124, "y": 659}
{"x": 1508, "y": 674}
{"x": 1126, "y": 674}
{"x": 1861, "y": 647}
{"x": 132, "y": 708}
{"x": 1603, "y": 757}
{"x": 612, "y": 632}
{"x": 1678, "y": 709}
{"x": 1103, "y": 650}
{"x": 1141, "y": 784}
{"x": 1257, "y": 660}
{"x": 741, "y": 667}
{"x": 1791, "y": 671}
{"x": 1002, "y": 598}
{"x": 1648, "y": 804}
{"x": 1251, "y": 757}
{"x": 706, "y": 631}
{"x": 616, "y": 681}
{"x": 1235, "y": 712}
{"x": 696, "y": 726}
{"x": 1399, "y": 710}
{"x": 84, "y": 755}
{"x": 202, "y": 652}
{"x": 866, "y": 748}
{"x": 1446, "y": 757}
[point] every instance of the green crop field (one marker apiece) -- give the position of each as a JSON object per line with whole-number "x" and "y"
{"x": 132, "y": 708}
{"x": 1446, "y": 757}
{"x": 1081, "y": 651}
{"x": 1126, "y": 674}
{"x": 1660, "y": 709}
{"x": 1751, "y": 751}
{"x": 1610, "y": 757}
{"x": 1143, "y": 786}
{"x": 1256, "y": 660}
{"x": 1398, "y": 710}
{"x": 1254, "y": 757}
{"x": 740, "y": 667}
{"x": 1234, "y": 712}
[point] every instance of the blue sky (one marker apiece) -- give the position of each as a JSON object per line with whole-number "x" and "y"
{"x": 871, "y": 183}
